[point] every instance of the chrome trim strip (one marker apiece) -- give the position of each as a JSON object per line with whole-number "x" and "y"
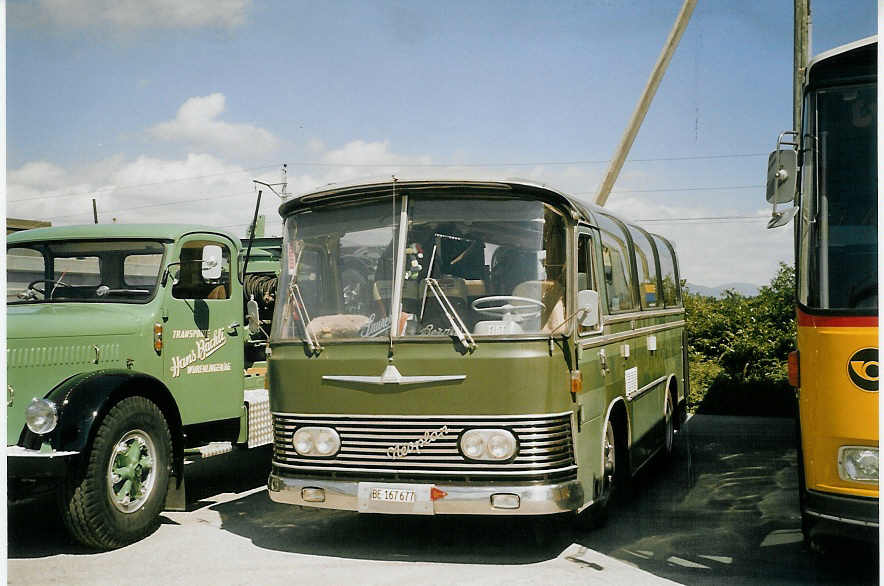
{"x": 402, "y": 419}
{"x": 392, "y": 376}
{"x": 646, "y": 314}
{"x": 534, "y": 499}
{"x": 638, "y": 393}
{"x": 612, "y": 338}
{"x": 460, "y": 469}
{"x": 20, "y": 452}
{"x": 842, "y": 519}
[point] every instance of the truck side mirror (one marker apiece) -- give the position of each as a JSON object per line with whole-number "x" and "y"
{"x": 212, "y": 261}
{"x": 782, "y": 171}
{"x": 588, "y": 304}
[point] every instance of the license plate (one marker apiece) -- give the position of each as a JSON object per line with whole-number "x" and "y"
{"x": 380, "y": 497}
{"x": 391, "y": 495}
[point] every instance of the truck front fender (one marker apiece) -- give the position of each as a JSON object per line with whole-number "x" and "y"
{"x": 83, "y": 399}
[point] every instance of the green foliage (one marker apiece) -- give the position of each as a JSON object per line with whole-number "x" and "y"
{"x": 741, "y": 342}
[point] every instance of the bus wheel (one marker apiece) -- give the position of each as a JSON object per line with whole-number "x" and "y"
{"x": 597, "y": 514}
{"x": 116, "y": 496}
{"x": 669, "y": 421}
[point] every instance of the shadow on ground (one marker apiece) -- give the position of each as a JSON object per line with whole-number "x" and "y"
{"x": 36, "y": 530}
{"x": 724, "y": 510}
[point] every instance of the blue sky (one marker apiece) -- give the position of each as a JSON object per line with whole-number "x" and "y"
{"x": 165, "y": 111}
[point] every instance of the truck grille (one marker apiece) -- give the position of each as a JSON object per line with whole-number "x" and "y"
{"x": 545, "y": 447}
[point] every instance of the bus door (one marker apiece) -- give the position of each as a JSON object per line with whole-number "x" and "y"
{"x": 202, "y": 335}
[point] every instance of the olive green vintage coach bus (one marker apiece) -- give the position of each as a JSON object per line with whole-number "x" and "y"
{"x": 467, "y": 347}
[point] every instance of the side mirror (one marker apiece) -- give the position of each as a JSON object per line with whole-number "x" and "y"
{"x": 588, "y": 303}
{"x": 212, "y": 260}
{"x": 782, "y": 171}
{"x": 252, "y": 319}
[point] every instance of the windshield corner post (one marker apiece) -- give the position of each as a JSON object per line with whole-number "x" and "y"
{"x": 396, "y": 301}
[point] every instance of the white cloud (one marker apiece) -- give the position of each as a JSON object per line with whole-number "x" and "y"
{"x": 197, "y": 189}
{"x": 196, "y": 124}
{"x": 148, "y": 189}
{"x": 128, "y": 14}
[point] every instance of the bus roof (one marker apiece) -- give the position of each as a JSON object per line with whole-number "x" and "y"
{"x": 579, "y": 210}
{"x": 842, "y": 49}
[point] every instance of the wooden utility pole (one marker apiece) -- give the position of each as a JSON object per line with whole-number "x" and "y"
{"x": 801, "y": 56}
{"x": 94, "y": 210}
{"x": 681, "y": 23}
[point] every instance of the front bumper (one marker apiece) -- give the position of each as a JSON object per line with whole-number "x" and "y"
{"x": 839, "y": 515}
{"x": 534, "y": 499}
{"x": 24, "y": 463}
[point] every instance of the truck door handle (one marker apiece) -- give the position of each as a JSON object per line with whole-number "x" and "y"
{"x": 231, "y": 329}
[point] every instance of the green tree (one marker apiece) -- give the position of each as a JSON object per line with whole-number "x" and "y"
{"x": 742, "y": 343}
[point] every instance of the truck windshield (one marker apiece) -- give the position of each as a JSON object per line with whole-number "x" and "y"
{"x": 120, "y": 271}
{"x": 499, "y": 263}
{"x": 838, "y": 262}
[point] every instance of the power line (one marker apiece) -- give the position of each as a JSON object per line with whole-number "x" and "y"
{"x": 518, "y": 164}
{"x": 388, "y": 165}
{"x": 160, "y": 205}
{"x": 139, "y": 185}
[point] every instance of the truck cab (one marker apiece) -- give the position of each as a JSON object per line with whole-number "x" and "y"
{"x": 127, "y": 348}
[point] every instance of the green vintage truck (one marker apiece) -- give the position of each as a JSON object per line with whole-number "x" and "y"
{"x": 130, "y": 347}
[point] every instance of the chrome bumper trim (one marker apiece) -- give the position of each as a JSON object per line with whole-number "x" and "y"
{"x": 845, "y": 520}
{"x": 535, "y": 499}
{"x": 20, "y": 452}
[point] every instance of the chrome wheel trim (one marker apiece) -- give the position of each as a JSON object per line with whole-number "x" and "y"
{"x": 131, "y": 473}
{"x": 609, "y": 460}
{"x": 668, "y": 410}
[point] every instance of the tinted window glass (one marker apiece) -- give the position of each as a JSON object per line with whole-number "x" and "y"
{"x": 668, "y": 274}
{"x": 646, "y": 265}
{"x": 616, "y": 265}
{"x": 191, "y": 284}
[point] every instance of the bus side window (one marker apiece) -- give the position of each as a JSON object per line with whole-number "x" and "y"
{"x": 584, "y": 275}
{"x": 646, "y": 264}
{"x": 668, "y": 273}
{"x": 617, "y": 266}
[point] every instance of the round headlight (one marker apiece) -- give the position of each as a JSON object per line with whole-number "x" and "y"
{"x": 488, "y": 444}
{"x": 41, "y": 416}
{"x": 501, "y": 446}
{"x": 316, "y": 441}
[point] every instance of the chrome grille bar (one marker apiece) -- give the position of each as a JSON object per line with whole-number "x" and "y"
{"x": 545, "y": 446}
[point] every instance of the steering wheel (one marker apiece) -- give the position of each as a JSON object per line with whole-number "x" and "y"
{"x": 32, "y": 285}
{"x": 526, "y": 307}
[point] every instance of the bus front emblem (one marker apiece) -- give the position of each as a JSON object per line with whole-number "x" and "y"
{"x": 863, "y": 369}
{"x": 401, "y": 450}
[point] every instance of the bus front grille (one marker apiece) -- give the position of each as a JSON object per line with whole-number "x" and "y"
{"x": 427, "y": 447}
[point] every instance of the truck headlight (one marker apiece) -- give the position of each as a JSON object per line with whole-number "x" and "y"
{"x": 488, "y": 444}
{"x": 317, "y": 442}
{"x": 41, "y": 416}
{"x": 858, "y": 463}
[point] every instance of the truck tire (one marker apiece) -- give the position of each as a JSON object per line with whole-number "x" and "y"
{"x": 115, "y": 496}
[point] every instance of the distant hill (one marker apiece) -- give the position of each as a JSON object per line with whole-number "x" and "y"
{"x": 746, "y": 289}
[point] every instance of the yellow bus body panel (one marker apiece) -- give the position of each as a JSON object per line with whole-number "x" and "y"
{"x": 834, "y": 412}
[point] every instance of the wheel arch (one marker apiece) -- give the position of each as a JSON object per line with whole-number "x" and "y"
{"x": 84, "y": 399}
{"x": 619, "y": 414}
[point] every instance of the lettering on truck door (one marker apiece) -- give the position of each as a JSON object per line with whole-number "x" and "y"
{"x": 202, "y": 332}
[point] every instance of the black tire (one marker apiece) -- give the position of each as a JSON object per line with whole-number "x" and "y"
{"x": 115, "y": 496}
{"x": 597, "y": 515}
{"x": 669, "y": 426}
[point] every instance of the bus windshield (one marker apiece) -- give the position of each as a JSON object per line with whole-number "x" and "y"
{"x": 494, "y": 266}
{"x": 838, "y": 264}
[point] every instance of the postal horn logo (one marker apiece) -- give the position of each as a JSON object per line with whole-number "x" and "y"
{"x": 863, "y": 369}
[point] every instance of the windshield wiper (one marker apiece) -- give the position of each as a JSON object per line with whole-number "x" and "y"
{"x": 301, "y": 308}
{"x": 457, "y": 325}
